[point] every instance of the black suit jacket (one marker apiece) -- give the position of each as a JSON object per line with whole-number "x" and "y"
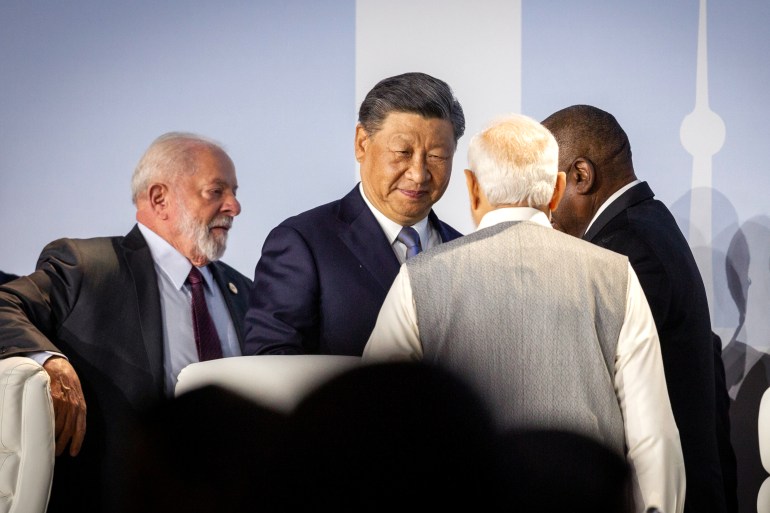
{"x": 643, "y": 229}
{"x": 97, "y": 301}
{"x": 6, "y": 277}
{"x": 321, "y": 280}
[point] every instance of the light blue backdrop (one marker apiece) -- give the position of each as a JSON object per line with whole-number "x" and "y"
{"x": 87, "y": 85}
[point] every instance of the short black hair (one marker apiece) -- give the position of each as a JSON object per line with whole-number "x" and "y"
{"x": 585, "y": 130}
{"x": 416, "y": 93}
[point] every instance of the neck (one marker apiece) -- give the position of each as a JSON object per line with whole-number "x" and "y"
{"x": 199, "y": 261}
{"x": 543, "y": 208}
{"x": 613, "y": 180}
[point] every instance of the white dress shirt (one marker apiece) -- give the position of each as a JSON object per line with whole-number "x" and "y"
{"x": 429, "y": 235}
{"x": 609, "y": 201}
{"x": 652, "y": 439}
{"x": 179, "y": 348}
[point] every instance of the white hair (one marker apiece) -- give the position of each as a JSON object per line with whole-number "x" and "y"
{"x": 515, "y": 160}
{"x": 168, "y": 156}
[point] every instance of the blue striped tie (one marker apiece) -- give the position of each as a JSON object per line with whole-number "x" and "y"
{"x": 409, "y": 237}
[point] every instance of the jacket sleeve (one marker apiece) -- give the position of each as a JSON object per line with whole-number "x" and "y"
{"x": 33, "y": 307}
{"x": 283, "y": 314}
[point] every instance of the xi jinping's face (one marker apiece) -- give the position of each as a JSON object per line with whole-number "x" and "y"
{"x": 406, "y": 165}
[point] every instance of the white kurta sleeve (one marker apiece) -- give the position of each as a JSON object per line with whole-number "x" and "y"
{"x": 396, "y": 335}
{"x": 654, "y": 449}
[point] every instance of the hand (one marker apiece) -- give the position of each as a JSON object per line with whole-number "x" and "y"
{"x": 69, "y": 405}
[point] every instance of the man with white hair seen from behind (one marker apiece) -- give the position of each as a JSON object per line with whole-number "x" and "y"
{"x": 555, "y": 332}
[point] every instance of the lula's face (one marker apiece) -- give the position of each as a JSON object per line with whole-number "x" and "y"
{"x": 204, "y": 207}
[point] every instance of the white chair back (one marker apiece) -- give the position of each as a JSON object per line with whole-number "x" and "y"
{"x": 276, "y": 381}
{"x": 26, "y": 436}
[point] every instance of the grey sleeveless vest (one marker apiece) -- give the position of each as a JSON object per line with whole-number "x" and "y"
{"x": 530, "y": 317}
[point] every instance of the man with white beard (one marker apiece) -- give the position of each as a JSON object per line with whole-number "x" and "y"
{"x": 114, "y": 319}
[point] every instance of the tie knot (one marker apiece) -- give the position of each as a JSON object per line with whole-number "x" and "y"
{"x": 195, "y": 277}
{"x": 409, "y": 237}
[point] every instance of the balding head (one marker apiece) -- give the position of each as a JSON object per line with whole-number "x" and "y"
{"x": 595, "y": 153}
{"x": 589, "y": 132}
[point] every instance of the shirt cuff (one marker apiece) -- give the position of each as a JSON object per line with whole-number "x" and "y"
{"x": 42, "y": 356}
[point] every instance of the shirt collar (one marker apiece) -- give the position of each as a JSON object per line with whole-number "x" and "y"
{"x": 392, "y": 228}
{"x": 170, "y": 261}
{"x": 607, "y": 203}
{"x": 501, "y": 215}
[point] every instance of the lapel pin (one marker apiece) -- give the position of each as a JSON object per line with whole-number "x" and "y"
{"x": 232, "y": 287}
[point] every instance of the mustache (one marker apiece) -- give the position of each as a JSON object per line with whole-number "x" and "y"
{"x": 222, "y": 221}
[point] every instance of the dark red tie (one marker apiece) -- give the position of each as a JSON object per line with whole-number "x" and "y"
{"x": 206, "y": 338}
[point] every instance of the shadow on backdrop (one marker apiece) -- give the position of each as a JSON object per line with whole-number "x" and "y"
{"x": 747, "y": 363}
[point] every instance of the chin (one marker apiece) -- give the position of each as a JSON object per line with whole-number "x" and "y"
{"x": 415, "y": 214}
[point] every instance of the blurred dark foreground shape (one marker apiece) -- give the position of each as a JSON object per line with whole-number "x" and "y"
{"x": 377, "y": 437}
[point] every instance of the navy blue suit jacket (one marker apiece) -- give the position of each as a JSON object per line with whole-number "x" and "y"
{"x": 643, "y": 229}
{"x": 321, "y": 280}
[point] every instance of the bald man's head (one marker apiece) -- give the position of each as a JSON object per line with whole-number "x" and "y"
{"x": 595, "y": 153}
{"x": 586, "y": 131}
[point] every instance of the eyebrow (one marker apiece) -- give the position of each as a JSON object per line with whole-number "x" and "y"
{"x": 221, "y": 183}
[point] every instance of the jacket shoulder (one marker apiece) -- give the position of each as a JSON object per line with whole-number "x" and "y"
{"x": 314, "y": 218}
{"x": 82, "y": 250}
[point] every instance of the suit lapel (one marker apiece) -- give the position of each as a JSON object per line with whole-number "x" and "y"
{"x": 227, "y": 285}
{"x": 443, "y": 231}
{"x": 363, "y": 236}
{"x": 140, "y": 264}
{"x": 636, "y": 194}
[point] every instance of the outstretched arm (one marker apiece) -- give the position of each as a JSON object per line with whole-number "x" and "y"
{"x": 31, "y": 310}
{"x": 283, "y": 302}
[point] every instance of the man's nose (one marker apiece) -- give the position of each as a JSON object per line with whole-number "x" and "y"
{"x": 231, "y": 206}
{"x": 418, "y": 169}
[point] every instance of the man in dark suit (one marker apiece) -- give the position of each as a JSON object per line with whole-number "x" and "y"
{"x": 606, "y": 204}
{"x": 110, "y": 318}
{"x": 324, "y": 274}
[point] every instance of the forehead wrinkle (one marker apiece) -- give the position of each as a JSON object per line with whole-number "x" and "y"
{"x": 401, "y": 137}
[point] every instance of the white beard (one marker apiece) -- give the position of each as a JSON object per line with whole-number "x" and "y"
{"x": 207, "y": 244}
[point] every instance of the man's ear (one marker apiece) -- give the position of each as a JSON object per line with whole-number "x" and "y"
{"x": 558, "y": 190}
{"x": 361, "y": 142}
{"x": 158, "y": 197}
{"x": 583, "y": 175}
{"x": 473, "y": 189}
